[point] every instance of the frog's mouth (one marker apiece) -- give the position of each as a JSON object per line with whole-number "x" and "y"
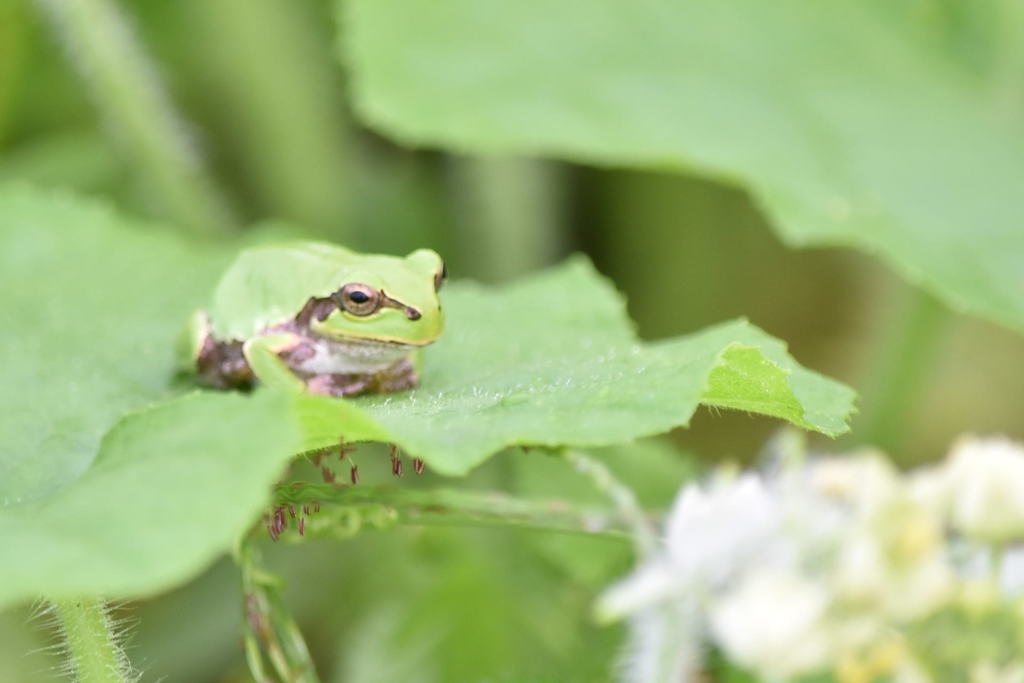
{"x": 369, "y": 343}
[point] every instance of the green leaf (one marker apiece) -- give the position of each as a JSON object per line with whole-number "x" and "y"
{"x": 171, "y": 489}
{"x": 97, "y": 302}
{"x": 426, "y": 624}
{"x": 91, "y": 305}
{"x": 893, "y": 127}
{"x": 553, "y": 361}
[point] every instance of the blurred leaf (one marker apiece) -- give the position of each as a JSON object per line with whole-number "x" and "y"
{"x": 552, "y": 361}
{"x": 91, "y": 305}
{"x": 24, "y": 637}
{"x": 474, "y": 606}
{"x": 376, "y": 657}
{"x": 171, "y": 489}
{"x": 892, "y": 127}
{"x": 274, "y": 101}
{"x": 74, "y": 159}
{"x": 14, "y": 39}
{"x": 951, "y": 642}
{"x": 193, "y": 630}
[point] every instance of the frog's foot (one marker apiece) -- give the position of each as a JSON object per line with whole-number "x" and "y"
{"x": 223, "y": 365}
{"x": 264, "y": 357}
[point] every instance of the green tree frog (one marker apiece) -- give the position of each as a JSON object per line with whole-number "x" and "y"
{"x": 317, "y": 317}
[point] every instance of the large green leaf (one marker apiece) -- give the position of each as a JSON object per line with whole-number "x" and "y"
{"x": 171, "y": 489}
{"x": 94, "y": 306}
{"x": 552, "y": 361}
{"x": 91, "y": 303}
{"x": 894, "y": 127}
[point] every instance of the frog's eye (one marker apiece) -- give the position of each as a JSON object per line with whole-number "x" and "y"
{"x": 358, "y": 299}
{"x": 440, "y": 277}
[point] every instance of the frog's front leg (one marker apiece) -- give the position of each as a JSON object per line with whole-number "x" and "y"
{"x": 219, "y": 364}
{"x": 269, "y": 357}
{"x": 263, "y": 356}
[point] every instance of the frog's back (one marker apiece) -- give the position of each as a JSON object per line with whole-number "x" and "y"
{"x": 270, "y": 284}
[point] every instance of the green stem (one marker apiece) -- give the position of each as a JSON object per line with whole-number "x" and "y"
{"x": 642, "y": 531}
{"x": 269, "y": 628}
{"x": 512, "y": 210}
{"x": 342, "y": 510}
{"x": 899, "y": 372}
{"x": 93, "y": 652}
{"x": 269, "y": 70}
{"x": 14, "y": 58}
{"x": 138, "y": 112}
{"x": 664, "y": 618}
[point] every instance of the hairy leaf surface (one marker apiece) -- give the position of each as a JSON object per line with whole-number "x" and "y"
{"x": 92, "y": 303}
{"x": 553, "y": 361}
{"x": 172, "y": 488}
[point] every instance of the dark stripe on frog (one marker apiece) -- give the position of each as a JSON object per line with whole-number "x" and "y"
{"x": 410, "y": 312}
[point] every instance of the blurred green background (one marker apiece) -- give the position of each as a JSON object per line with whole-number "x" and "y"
{"x": 266, "y": 105}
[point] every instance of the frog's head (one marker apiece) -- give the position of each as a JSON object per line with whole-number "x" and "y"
{"x": 388, "y": 299}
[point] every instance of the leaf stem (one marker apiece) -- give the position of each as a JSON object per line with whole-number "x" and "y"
{"x": 271, "y": 75}
{"x": 269, "y": 628}
{"x": 898, "y": 373}
{"x": 129, "y": 94}
{"x": 512, "y": 215}
{"x": 642, "y": 531}
{"x": 664, "y": 624}
{"x": 386, "y": 505}
{"x": 93, "y": 653}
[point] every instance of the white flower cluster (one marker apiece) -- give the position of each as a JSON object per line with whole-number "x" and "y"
{"x": 840, "y": 566}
